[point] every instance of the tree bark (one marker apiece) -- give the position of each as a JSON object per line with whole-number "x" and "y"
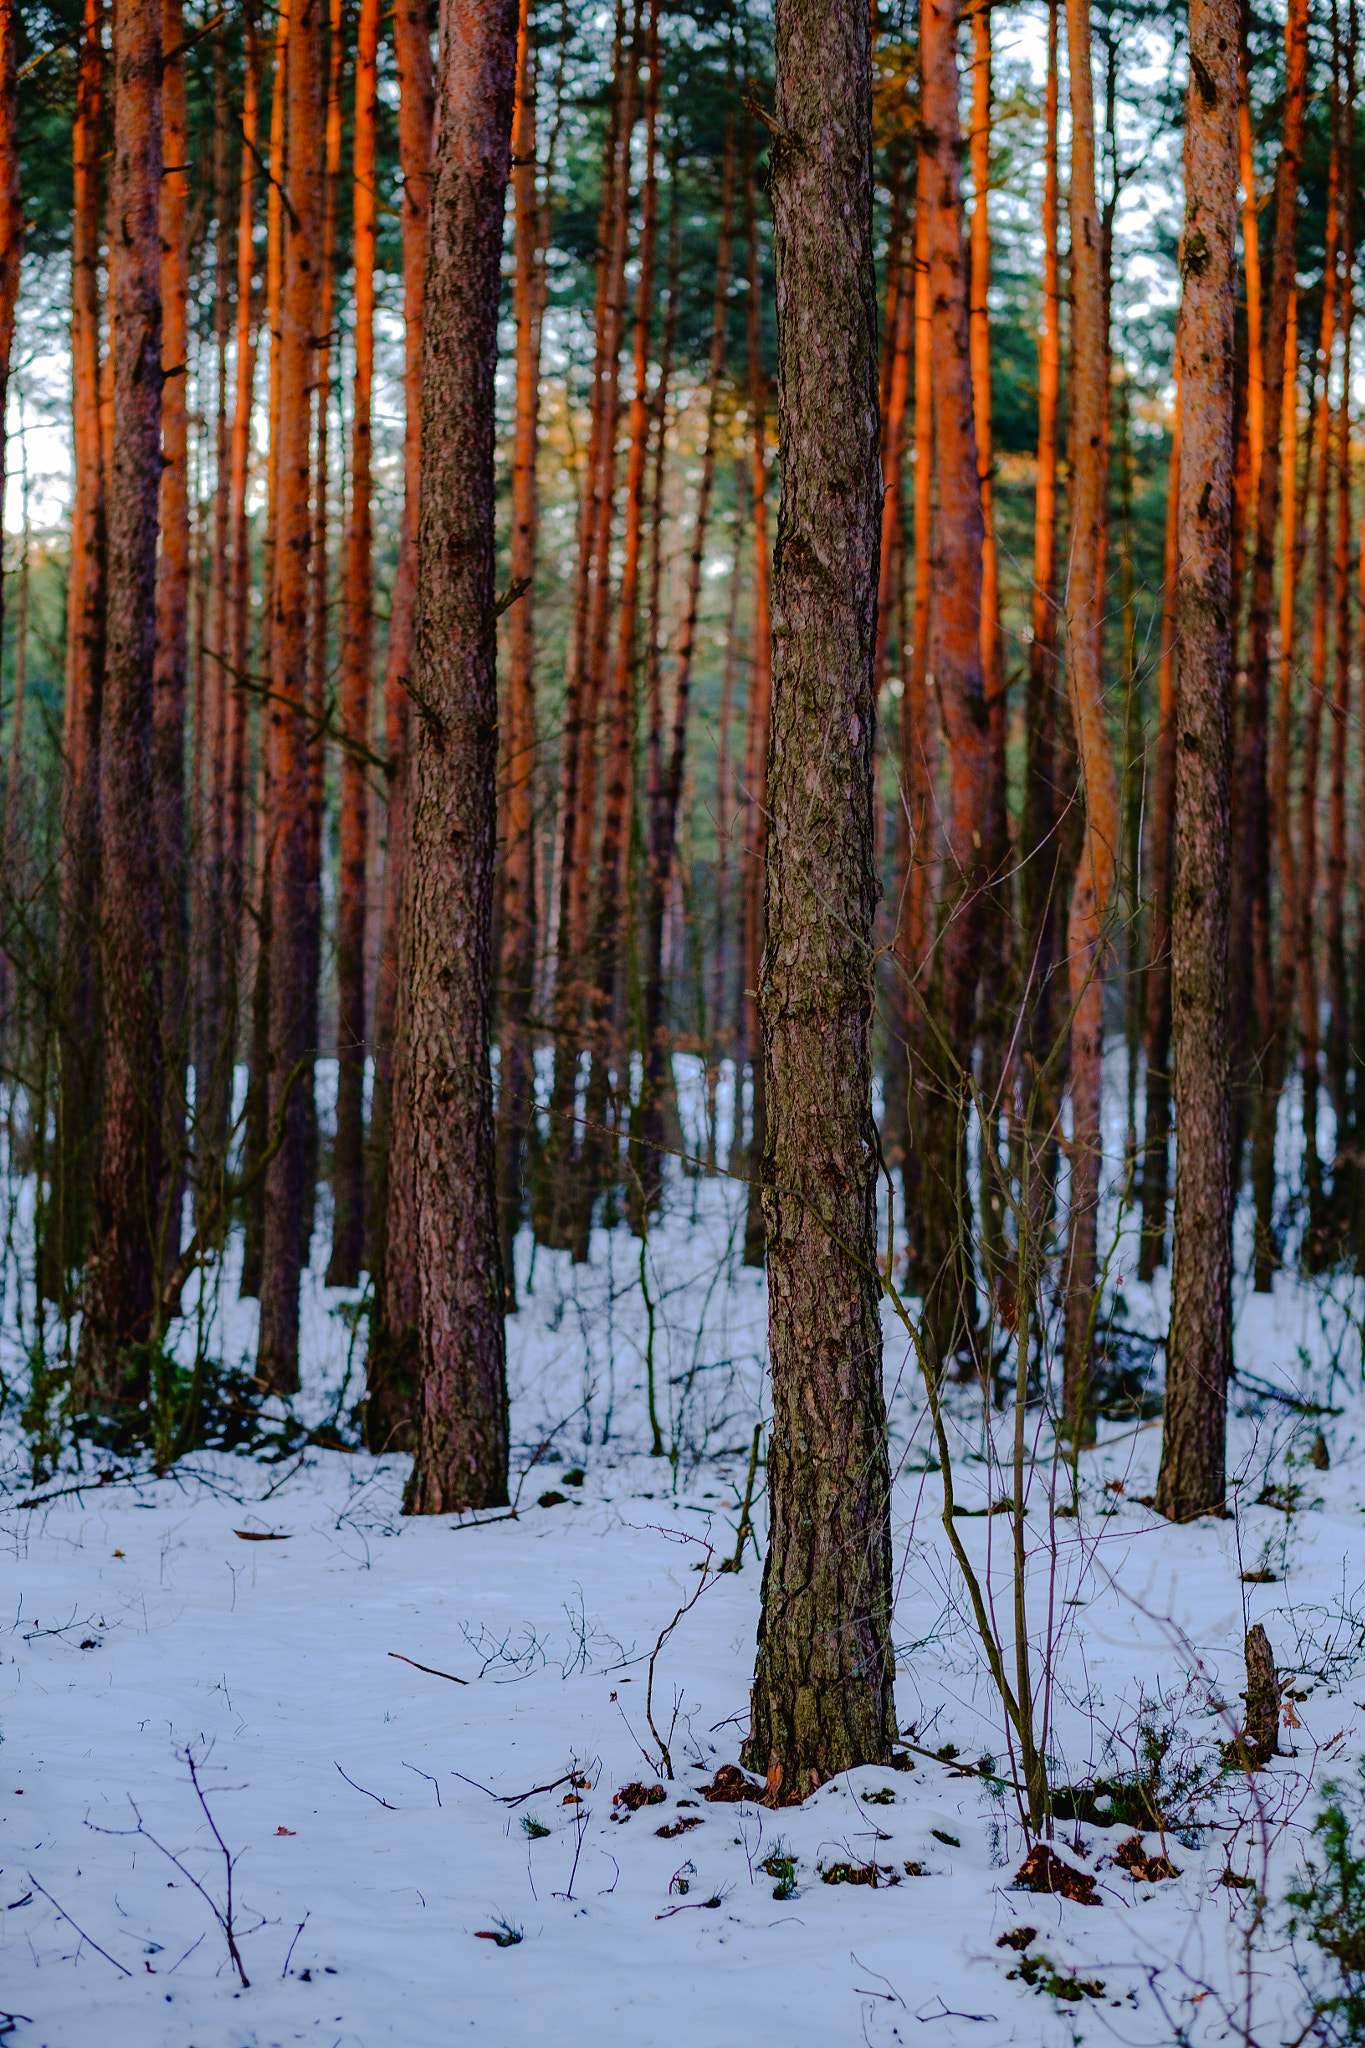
{"x": 11, "y": 219}
{"x": 121, "y": 1279}
{"x": 68, "y": 1220}
{"x": 823, "y": 1696}
{"x": 391, "y": 1358}
{"x": 1157, "y": 1124}
{"x": 1345, "y": 1168}
{"x": 758, "y": 719}
{"x": 944, "y": 1260}
{"x": 1087, "y": 923}
{"x": 1199, "y": 1344}
{"x": 516, "y": 1074}
{"x": 172, "y": 615}
{"x": 234, "y": 828}
{"x": 283, "y": 1247}
{"x": 445, "y": 976}
{"x": 348, "y": 1159}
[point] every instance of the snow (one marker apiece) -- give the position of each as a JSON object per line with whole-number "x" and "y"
{"x": 367, "y": 1803}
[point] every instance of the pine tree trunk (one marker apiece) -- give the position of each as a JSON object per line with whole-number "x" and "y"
{"x": 1339, "y": 1028}
{"x": 390, "y": 1364}
{"x": 1199, "y": 1345}
{"x": 944, "y": 1248}
{"x": 121, "y": 1277}
{"x": 290, "y": 1053}
{"x": 11, "y": 219}
{"x": 666, "y": 779}
{"x": 1249, "y": 951}
{"x": 234, "y": 827}
{"x": 823, "y": 1695}
{"x": 172, "y": 615}
{"x": 1157, "y": 1038}
{"x": 516, "y": 1075}
{"x": 445, "y": 979}
{"x": 758, "y": 718}
{"x": 68, "y": 1220}
{"x": 1087, "y": 924}
{"x": 348, "y": 1162}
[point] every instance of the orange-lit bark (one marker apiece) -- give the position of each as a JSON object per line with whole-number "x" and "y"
{"x": 348, "y": 1168}
{"x": 1087, "y": 922}
{"x": 68, "y": 1209}
{"x": 234, "y": 828}
{"x": 893, "y": 443}
{"x": 290, "y": 1053}
{"x": 121, "y": 1275}
{"x": 1339, "y": 1028}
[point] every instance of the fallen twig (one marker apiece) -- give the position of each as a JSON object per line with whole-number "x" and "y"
{"x": 430, "y": 1669}
{"x": 369, "y": 1795}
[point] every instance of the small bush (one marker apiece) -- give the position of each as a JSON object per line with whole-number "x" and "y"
{"x": 1328, "y": 1910}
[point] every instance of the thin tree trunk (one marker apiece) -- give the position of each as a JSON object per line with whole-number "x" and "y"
{"x": 822, "y": 1698}
{"x": 121, "y": 1278}
{"x": 1339, "y": 1027}
{"x": 606, "y": 936}
{"x": 1249, "y": 951}
{"x": 944, "y": 1252}
{"x": 290, "y": 1052}
{"x": 516, "y": 1074}
{"x": 1157, "y": 1037}
{"x": 68, "y": 1220}
{"x": 445, "y": 980}
{"x": 666, "y": 779}
{"x": 172, "y": 614}
{"x": 758, "y": 718}
{"x": 234, "y": 829}
{"x": 11, "y": 226}
{"x": 1199, "y": 1345}
{"x": 391, "y": 1362}
{"x": 348, "y": 1163}
{"x": 1087, "y": 924}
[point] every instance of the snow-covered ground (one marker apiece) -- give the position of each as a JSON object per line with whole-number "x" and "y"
{"x": 376, "y": 1813}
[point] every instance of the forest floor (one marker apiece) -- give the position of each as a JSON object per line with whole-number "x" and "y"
{"x": 381, "y": 1819}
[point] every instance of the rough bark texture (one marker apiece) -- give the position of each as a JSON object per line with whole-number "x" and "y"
{"x": 283, "y": 1249}
{"x": 120, "y": 1283}
{"x": 1086, "y": 925}
{"x": 823, "y": 1696}
{"x": 390, "y": 1363}
{"x": 348, "y": 1158}
{"x": 445, "y": 978}
{"x": 757, "y": 721}
{"x": 1199, "y": 1345}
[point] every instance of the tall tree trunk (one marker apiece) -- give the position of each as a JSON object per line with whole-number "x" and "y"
{"x": 1157, "y": 1037}
{"x": 758, "y": 718}
{"x": 1339, "y": 1028}
{"x": 68, "y": 1220}
{"x": 121, "y": 1276}
{"x": 1199, "y": 1346}
{"x": 258, "y": 1059}
{"x": 1249, "y": 951}
{"x": 944, "y": 1251}
{"x": 348, "y": 1162}
{"x": 11, "y": 221}
{"x": 606, "y": 936}
{"x": 172, "y": 613}
{"x": 390, "y": 1364}
{"x": 1087, "y": 924}
{"x": 516, "y": 1074}
{"x": 916, "y": 825}
{"x": 290, "y": 1052}
{"x": 445, "y": 980}
{"x": 823, "y": 1697}
{"x": 666, "y": 778}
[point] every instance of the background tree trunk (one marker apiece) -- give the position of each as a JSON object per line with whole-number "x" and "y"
{"x": 121, "y": 1279}
{"x": 445, "y": 979}
{"x": 283, "y": 1246}
{"x": 348, "y": 1159}
{"x": 1199, "y": 1346}
{"x": 823, "y": 1695}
